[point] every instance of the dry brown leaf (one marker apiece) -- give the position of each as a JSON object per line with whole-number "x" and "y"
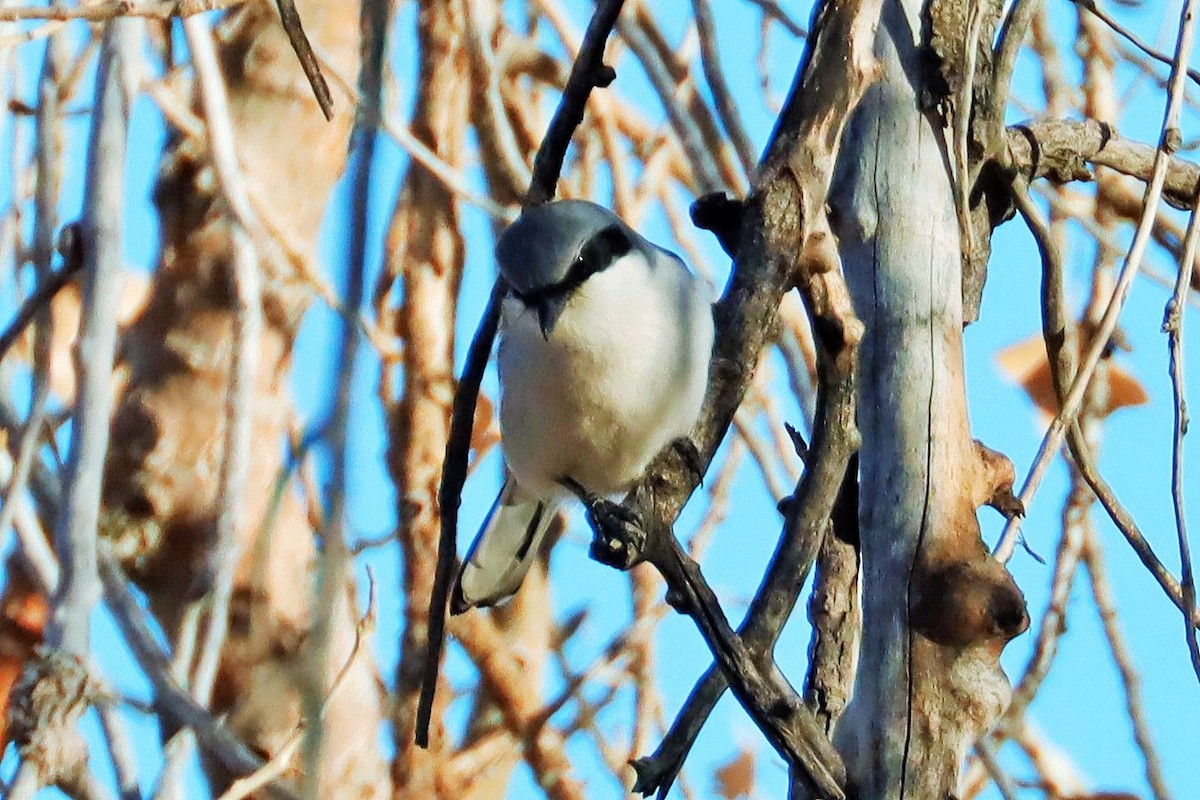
{"x": 736, "y": 778}
{"x": 1025, "y": 364}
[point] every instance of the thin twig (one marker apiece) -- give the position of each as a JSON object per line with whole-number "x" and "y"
{"x": 102, "y": 228}
{"x": 504, "y": 159}
{"x": 416, "y": 149}
{"x": 121, "y": 751}
{"x": 281, "y": 760}
{"x": 243, "y": 369}
{"x": 1130, "y": 680}
{"x": 290, "y": 18}
{"x": 587, "y": 73}
{"x": 171, "y": 701}
{"x": 1125, "y": 523}
{"x": 335, "y": 556}
{"x": 987, "y": 757}
{"x": 35, "y": 545}
{"x": 1133, "y": 38}
{"x": 1173, "y": 326}
{"x": 1071, "y": 403}
{"x": 774, "y": 12}
{"x": 727, "y": 110}
{"x": 37, "y": 302}
{"x": 1054, "y": 621}
{"x": 1012, "y": 35}
{"x": 46, "y": 196}
{"x": 223, "y": 551}
{"x": 698, "y": 148}
{"x": 1054, "y": 328}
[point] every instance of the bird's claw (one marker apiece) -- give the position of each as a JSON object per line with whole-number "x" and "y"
{"x": 619, "y": 539}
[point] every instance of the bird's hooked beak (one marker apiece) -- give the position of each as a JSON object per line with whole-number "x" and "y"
{"x": 548, "y": 309}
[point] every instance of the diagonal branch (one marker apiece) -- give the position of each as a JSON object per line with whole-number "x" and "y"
{"x": 1070, "y": 404}
{"x": 1132, "y": 37}
{"x": 1173, "y": 326}
{"x": 171, "y": 700}
{"x": 783, "y": 239}
{"x": 290, "y": 18}
{"x": 1062, "y": 369}
{"x": 102, "y": 227}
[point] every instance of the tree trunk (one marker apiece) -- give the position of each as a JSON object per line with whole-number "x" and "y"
{"x": 937, "y": 610}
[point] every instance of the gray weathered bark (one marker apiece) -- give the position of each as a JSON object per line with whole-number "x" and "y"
{"x": 936, "y": 609}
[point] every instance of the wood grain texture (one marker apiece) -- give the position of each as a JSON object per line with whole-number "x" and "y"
{"x": 936, "y": 609}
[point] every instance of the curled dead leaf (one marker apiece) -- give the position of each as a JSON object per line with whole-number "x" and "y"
{"x": 1025, "y": 364}
{"x": 736, "y": 778}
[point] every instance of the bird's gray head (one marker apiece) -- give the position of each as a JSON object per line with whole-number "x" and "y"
{"x": 552, "y": 249}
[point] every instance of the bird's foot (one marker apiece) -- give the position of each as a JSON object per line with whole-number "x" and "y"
{"x": 618, "y": 539}
{"x": 691, "y": 457}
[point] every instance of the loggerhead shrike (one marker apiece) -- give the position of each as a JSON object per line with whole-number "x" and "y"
{"x": 605, "y": 343}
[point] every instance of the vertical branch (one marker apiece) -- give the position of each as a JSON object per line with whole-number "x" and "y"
{"x": 937, "y": 611}
{"x": 102, "y": 229}
{"x": 587, "y": 72}
{"x": 58, "y": 697}
{"x": 425, "y": 250}
{"x": 332, "y": 572}
{"x": 1168, "y": 142}
{"x": 834, "y": 610}
{"x": 163, "y": 482}
{"x": 246, "y": 330}
{"x": 1173, "y": 326}
{"x": 223, "y": 548}
{"x": 40, "y": 560}
{"x": 1130, "y": 680}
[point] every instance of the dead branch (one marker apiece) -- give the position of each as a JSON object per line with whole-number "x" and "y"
{"x": 1059, "y": 149}
{"x": 797, "y": 170}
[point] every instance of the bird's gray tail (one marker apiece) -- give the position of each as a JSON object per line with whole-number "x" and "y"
{"x": 503, "y": 550}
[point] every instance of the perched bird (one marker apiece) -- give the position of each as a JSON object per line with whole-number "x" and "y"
{"x": 605, "y": 343}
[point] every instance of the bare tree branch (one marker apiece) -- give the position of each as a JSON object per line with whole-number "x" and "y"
{"x": 1070, "y": 404}
{"x": 587, "y": 73}
{"x": 1173, "y": 326}
{"x": 102, "y": 228}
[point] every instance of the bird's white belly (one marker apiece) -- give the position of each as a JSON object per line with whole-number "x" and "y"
{"x": 623, "y": 374}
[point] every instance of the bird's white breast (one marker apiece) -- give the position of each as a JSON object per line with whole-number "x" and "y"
{"x": 622, "y": 374}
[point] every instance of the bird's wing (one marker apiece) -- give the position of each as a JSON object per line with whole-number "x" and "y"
{"x": 503, "y": 550}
